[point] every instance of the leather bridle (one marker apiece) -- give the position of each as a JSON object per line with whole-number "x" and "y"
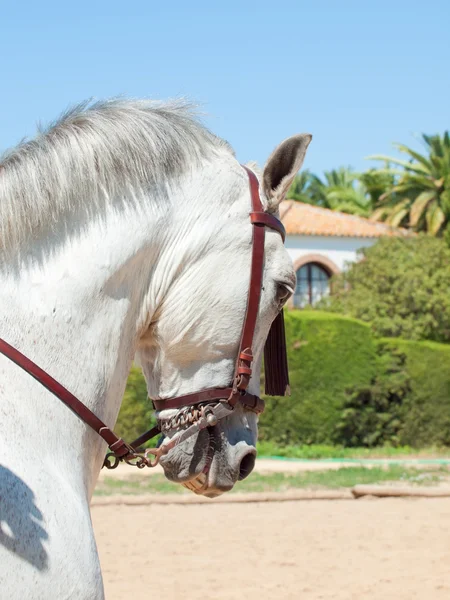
{"x": 214, "y": 403}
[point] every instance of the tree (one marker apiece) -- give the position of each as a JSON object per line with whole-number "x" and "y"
{"x": 136, "y": 413}
{"x": 344, "y": 192}
{"x": 341, "y": 190}
{"x": 419, "y": 193}
{"x": 402, "y": 288}
{"x": 302, "y": 189}
{"x": 376, "y": 183}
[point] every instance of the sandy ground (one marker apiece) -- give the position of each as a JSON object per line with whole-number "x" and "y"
{"x": 309, "y": 550}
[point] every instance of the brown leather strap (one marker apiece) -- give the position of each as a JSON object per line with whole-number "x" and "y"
{"x": 254, "y": 191}
{"x": 254, "y": 403}
{"x": 208, "y": 395}
{"x": 117, "y": 445}
{"x": 262, "y": 218}
{"x": 148, "y": 435}
{"x": 250, "y": 400}
{"x": 242, "y": 378}
{"x": 243, "y": 370}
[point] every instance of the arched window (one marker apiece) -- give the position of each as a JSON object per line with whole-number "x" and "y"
{"x": 313, "y": 284}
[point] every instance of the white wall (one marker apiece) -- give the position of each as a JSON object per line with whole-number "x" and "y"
{"x": 337, "y": 249}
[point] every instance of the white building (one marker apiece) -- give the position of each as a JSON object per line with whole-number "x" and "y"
{"x": 321, "y": 242}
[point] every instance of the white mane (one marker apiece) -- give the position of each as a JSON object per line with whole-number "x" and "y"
{"x": 93, "y": 153}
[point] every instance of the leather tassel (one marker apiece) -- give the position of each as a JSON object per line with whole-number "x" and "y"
{"x": 275, "y": 360}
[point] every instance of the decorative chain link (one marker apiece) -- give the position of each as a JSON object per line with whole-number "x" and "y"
{"x": 186, "y": 416}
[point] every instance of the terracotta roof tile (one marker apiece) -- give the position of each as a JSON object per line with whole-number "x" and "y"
{"x": 305, "y": 219}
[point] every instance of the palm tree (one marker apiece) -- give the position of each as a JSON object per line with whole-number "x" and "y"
{"x": 376, "y": 182}
{"x": 344, "y": 192}
{"x": 419, "y": 195}
{"x": 302, "y": 189}
{"x": 340, "y": 190}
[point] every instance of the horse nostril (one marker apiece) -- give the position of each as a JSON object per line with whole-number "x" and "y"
{"x": 246, "y": 466}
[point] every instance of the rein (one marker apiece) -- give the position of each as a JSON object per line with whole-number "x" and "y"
{"x": 215, "y": 403}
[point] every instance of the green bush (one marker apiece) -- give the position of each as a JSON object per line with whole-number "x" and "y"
{"x": 136, "y": 412}
{"x": 327, "y": 355}
{"x": 373, "y": 414}
{"x": 406, "y": 403}
{"x": 353, "y": 390}
{"x": 426, "y": 410}
{"x": 402, "y": 288}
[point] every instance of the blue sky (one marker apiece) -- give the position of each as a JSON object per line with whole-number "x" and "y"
{"x": 358, "y": 75}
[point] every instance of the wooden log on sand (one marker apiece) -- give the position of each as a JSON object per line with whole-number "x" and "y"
{"x": 287, "y": 496}
{"x": 380, "y": 491}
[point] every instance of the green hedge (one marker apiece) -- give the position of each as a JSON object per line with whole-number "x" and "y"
{"x": 136, "y": 412}
{"x": 407, "y": 402}
{"x": 328, "y": 354}
{"x": 426, "y": 408}
{"x": 348, "y": 388}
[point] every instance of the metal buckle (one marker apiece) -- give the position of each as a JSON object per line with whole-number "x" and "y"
{"x": 111, "y": 461}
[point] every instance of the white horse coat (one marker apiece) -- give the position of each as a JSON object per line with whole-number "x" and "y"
{"x": 124, "y": 232}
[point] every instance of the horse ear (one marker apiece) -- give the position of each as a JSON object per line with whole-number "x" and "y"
{"x": 282, "y": 166}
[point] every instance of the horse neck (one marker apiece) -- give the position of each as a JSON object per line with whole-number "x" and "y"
{"x": 77, "y": 313}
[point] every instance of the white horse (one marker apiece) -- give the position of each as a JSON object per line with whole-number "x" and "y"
{"x": 124, "y": 232}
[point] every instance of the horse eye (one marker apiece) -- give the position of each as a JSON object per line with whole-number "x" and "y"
{"x": 283, "y": 293}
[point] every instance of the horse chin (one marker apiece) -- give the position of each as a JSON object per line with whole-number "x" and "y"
{"x": 208, "y": 465}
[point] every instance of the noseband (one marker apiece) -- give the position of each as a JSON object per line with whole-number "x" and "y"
{"x": 215, "y": 403}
